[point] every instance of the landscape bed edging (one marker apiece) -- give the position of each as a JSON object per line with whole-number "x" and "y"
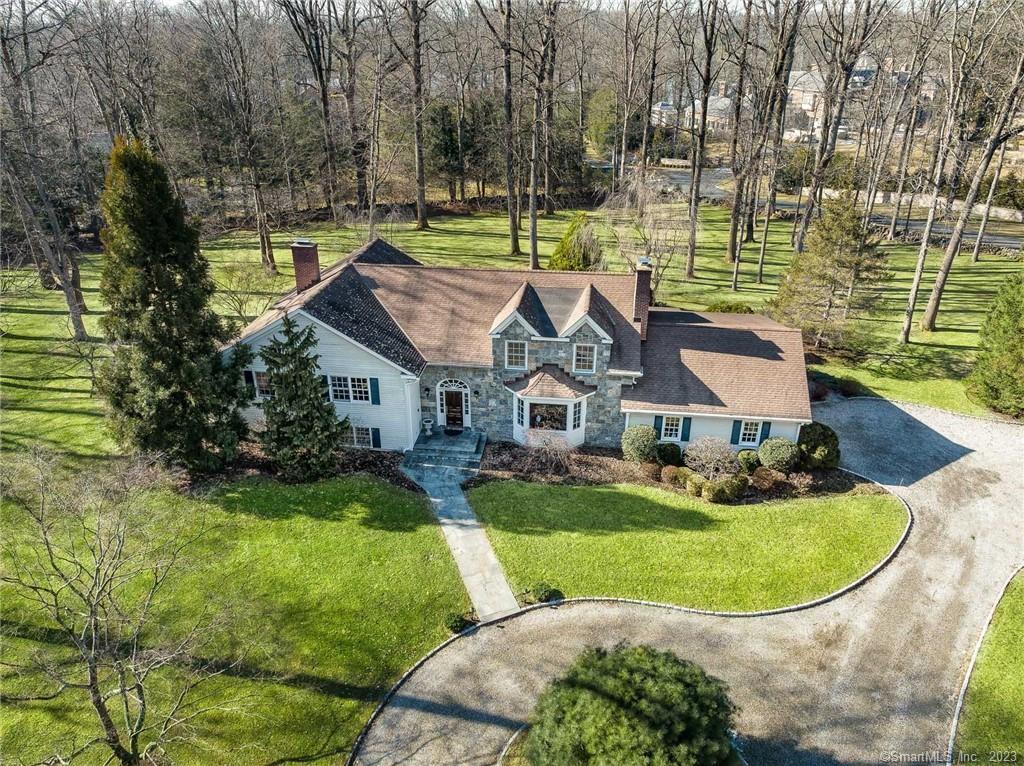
{"x": 970, "y": 666}
{"x": 350, "y": 761}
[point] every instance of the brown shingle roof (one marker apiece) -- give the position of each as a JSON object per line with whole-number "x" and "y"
{"x": 448, "y": 313}
{"x": 729, "y": 364}
{"x": 549, "y": 382}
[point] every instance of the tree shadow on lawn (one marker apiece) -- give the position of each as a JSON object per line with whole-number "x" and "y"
{"x": 598, "y": 510}
{"x": 373, "y": 502}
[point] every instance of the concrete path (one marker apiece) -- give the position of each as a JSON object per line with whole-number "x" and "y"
{"x": 872, "y": 674}
{"x": 479, "y": 567}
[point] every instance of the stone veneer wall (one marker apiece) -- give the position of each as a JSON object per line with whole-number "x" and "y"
{"x": 491, "y": 403}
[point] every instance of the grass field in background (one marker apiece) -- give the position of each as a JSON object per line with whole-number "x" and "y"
{"x": 651, "y": 544}
{"x": 45, "y": 391}
{"x": 338, "y": 587}
{"x": 991, "y": 722}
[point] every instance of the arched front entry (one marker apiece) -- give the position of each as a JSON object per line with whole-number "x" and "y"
{"x": 453, "y": 404}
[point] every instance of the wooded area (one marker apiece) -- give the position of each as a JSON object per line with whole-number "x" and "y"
{"x": 267, "y": 112}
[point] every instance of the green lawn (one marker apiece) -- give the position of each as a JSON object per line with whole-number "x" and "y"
{"x": 340, "y": 586}
{"x": 648, "y": 543}
{"x": 44, "y": 390}
{"x": 992, "y": 720}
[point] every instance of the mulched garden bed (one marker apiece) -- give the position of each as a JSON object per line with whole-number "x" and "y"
{"x": 591, "y": 466}
{"x": 384, "y": 465}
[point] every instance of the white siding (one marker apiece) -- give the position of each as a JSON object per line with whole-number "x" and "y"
{"x": 721, "y": 427}
{"x": 396, "y": 416}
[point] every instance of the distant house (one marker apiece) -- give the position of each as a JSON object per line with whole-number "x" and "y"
{"x": 806, "y": 92}
{"x": 720, "y": 114}
{"x": 578, "y": 355}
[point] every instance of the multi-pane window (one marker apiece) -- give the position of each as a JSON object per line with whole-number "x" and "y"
{"x": 750, "y": 431}
{"x": 671, "y": 427}
{"x": 345, "y": 389}
{"x": 358, "y": 436}
{"x": 263, "y": 387}
{"x": 585, "y": 357}
{"x": 577, "y": 415}
{"x": 339, "y": 388}
{"x": 520, "y": 412}
{"x": 515, "y": 354}
{"x": 360, "y": 388}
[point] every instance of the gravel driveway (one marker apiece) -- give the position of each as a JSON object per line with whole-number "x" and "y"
{"x": 855, "y": 681}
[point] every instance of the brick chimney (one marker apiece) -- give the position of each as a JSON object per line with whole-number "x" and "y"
{"x": 307, "y": 263}
{"x": 642, "y": 295}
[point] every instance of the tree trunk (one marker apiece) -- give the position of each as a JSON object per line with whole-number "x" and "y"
{"x": 510, "y": 177}
{"x": 976, "y": 253}
{"x": 646, "y": 144}
{"x": 417, "y": 92}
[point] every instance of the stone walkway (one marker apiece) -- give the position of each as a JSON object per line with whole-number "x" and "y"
{"x": 484, "y": 578}
{"x": 870, "y": 677}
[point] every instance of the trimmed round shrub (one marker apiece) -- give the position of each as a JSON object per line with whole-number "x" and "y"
{"x": 543, "y": 592}
{"x": 683, "y": 475}
{"x": 632, "y": 705}
{"x": 779, "y": 454}
{"x": 669, "y": 453}
{"x": 819, "y": 446}
{"x": 456, "y": 622}
{"x": 711, "y": 457}
{"x": 640, "y": 444}
{"x": 695, "y": 484}
{"x": 748, "y": 460}
{"x": 668, "y": 474}
{"x": 725, "y": 490}
{"x": 765, "y": 479}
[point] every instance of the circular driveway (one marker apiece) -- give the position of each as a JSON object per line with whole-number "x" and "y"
{"x": 855, "y": 681}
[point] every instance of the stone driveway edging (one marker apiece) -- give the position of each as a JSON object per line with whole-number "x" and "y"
{"x": 639, "y": 602}
{"x": 511, "y": 741}
{"x": 970, "y": 666}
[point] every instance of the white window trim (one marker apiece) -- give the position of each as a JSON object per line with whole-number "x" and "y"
{"x": 577, "y": 409}
{"x": 521, "y": 408}
{"x": 351, "y": 439}
{"x": 593, "y": 369}
{"x": 526, "y": 355}
{"x": 256, "y": 384}
{"x": 757, "y": 435}
{"x": 348, "y": 387}
{"x": 678, "y": 428}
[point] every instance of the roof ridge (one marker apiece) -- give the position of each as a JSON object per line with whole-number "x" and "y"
{"x": 438, "y": 267}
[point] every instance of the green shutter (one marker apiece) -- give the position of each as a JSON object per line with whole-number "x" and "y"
{"x": 766, "y": 430}
{"x": 326, "y": 388}
{"x": 375, "y": 437}
{"x": 250, "y": 382}
{"x": 736, "y": 426}
{"x": 658, "y": 421}
{"x": 374, "y": 391}
{"x": 686, "y": 429}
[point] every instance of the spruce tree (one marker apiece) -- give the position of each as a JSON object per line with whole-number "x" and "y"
{"x": 168, "y": 388}
{"x": 837, "y": 278}
{"x": 998, "y": 375}
{"x": 579, "y": 249}
{"x": 302, "y": 431}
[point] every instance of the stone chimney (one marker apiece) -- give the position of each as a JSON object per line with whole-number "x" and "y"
{"x": 642, "y": 295}
{"x": 307, "y": 263}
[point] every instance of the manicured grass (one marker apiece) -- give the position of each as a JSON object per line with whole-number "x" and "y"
{"x": 339, "y": 586}
{"x": 992, "y": 720}
{"x": 648, "y": 543}
{"x": 45, "y": 390}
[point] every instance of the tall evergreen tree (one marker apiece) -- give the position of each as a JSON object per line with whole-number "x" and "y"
{"x": 998, "y": 375}
{"x": 302, "y": 430}
{"x": 837, "y": 278}
{"x": 168, "y": 388}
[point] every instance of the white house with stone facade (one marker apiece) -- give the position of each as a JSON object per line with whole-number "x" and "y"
{"x": 516, "y": 354}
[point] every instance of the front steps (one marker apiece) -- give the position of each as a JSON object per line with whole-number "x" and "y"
{"x": 438, "y": 450}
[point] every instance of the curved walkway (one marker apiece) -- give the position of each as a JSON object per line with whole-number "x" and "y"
{"x": 854, "y": 681}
